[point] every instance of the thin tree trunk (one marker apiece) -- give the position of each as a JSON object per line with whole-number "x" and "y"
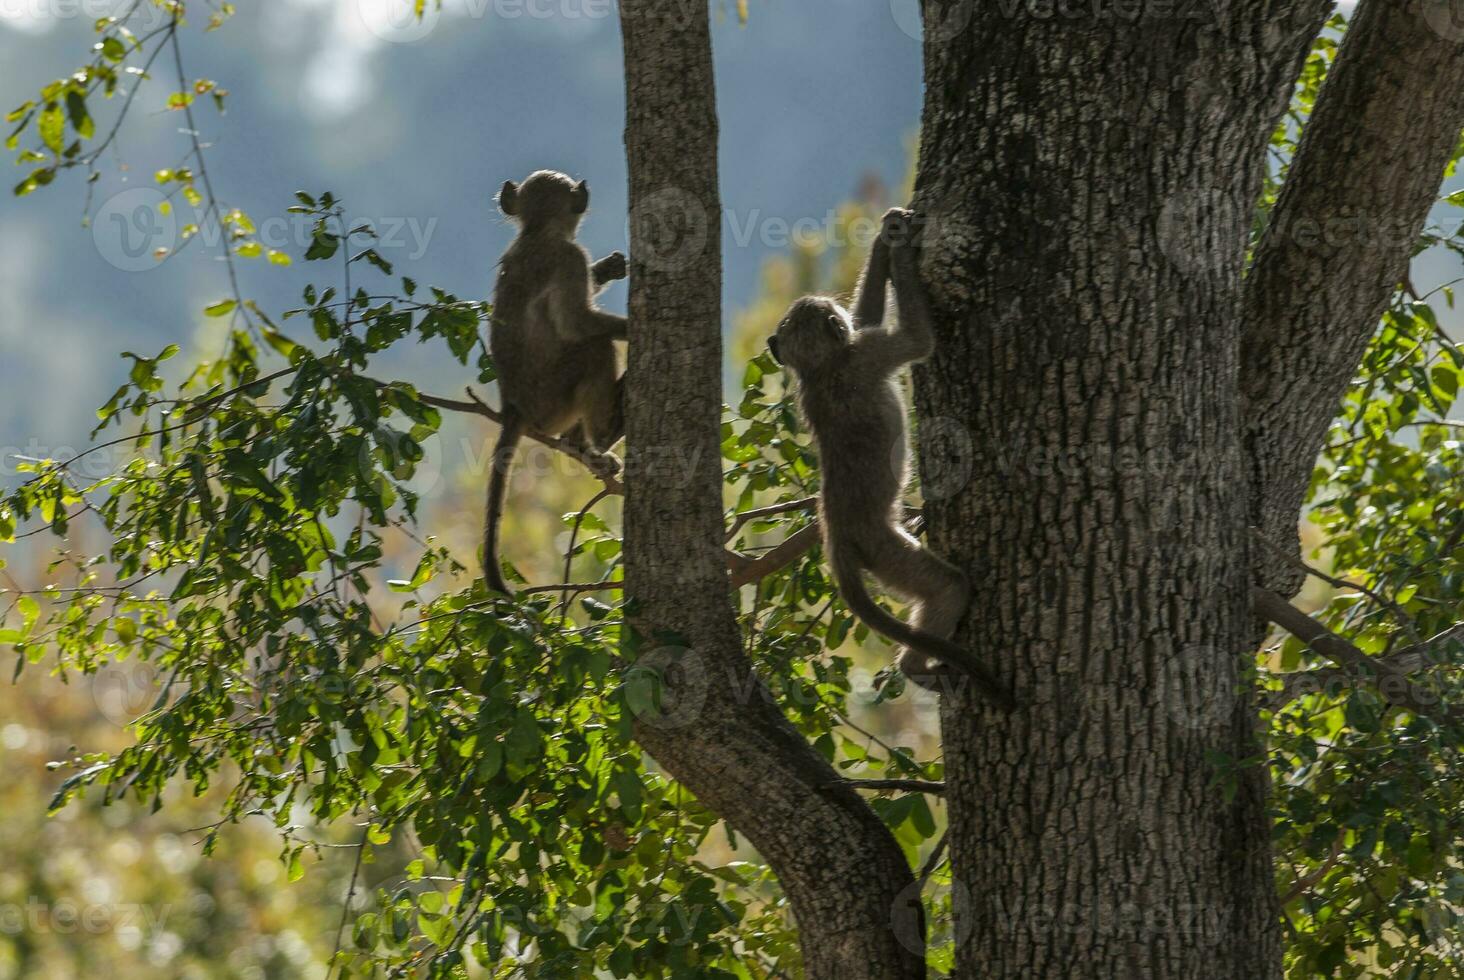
{"x": 1340, "y": 240}
{"x": 1088, "y": 186}
{"x": 717, "y": 730}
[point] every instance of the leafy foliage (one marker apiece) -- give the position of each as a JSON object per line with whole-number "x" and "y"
{"x": 1368, "y": 798}
{"x": 307, "y": 680}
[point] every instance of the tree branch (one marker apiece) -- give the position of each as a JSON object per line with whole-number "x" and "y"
{"x": 1409, "y": 660}
{"x": 1339, "y": 242}
{"x": 789, "y": 550}
{"x": 476, "y": 406}
{"x": 1392, "y": 683}
{"x": 1404, "y": 620}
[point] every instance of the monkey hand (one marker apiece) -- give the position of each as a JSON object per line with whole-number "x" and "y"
{"x": 611, "y": 267}
{"x": 897, "y": 229}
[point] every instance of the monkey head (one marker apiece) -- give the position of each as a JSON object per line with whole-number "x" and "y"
{"x": 546, "y": 200}
{"x": 814, "y": 329}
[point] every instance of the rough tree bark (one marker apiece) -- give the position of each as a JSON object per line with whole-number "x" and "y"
{"x": 1088, "y": 181}
{"x": 1112, "y": 404}
{"x": 717, "y": 731}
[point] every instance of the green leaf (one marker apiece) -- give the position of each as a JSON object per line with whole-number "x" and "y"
{"x": 37, "y": 178}
{"x": 76, "y": 111}
{"x": 52, "y": 127}
{"x": 297, "y": 866}
{"x": 221, "y": 308}
{"x": 323, "y": 245}
{"x": 490, "y": 761}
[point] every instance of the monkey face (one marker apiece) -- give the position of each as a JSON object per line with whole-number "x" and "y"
{"x": 813, "y": 330}
{"x": 545, "y": 198}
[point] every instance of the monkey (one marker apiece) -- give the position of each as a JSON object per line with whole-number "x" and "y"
{"x": 845, "y": 366}
{"x": 553, "y": 349}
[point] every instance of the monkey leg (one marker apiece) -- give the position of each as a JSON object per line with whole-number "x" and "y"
{"x": 604, "y": 419}
{"x": 602, "y": 423}
{"x": 939, "y": 591}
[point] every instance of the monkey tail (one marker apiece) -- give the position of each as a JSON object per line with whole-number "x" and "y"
{"x": 508, "y": 440}
{"x": 857, "y": 598}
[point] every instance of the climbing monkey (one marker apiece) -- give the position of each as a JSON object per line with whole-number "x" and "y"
{"x": 845, "y": 369}
{"x": 553, "y": 349}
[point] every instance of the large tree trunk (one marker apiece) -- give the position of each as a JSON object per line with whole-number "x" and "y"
{"x": 1099, "y": 426}
{"x": 1088, "y": 186}
{"x": 720, "y": 733}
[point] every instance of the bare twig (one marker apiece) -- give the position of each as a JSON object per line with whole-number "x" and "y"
{"x": 1304, "y": 883}
{"x": 903, "y": 785}
{"x": 741, "y": 520}
{"x": 932, "y": 862}
{"x": 571, "y": 587}
{"x": 350, "y": 895}
{"x": 240, "y": 307}
{"x": 476, "y": 406}
{"x": 196, "y": 409}
{"x": 573, "y": 534}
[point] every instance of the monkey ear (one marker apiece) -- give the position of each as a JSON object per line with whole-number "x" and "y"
{"x": 508, "y": 199}
{"x": 579, "y": 198}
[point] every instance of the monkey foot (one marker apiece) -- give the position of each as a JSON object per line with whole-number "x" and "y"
{"x": 603, "y": 465}
{"x": 933, "y": 675}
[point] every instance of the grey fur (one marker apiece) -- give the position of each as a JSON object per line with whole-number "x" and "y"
{"x": 553, "y": 349}
{"x": 846, "y": 372}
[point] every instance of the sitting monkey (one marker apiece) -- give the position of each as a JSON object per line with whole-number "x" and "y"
{"x": 847, "y": 391}
{"x": 553, "y": 349}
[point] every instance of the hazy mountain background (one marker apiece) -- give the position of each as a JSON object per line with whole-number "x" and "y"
{"x": 815, "y": 97}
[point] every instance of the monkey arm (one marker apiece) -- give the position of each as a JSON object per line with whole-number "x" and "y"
{"x": 574, "y": 316}
{"x": 598, "y": 323}
{"x": 912, "y": 338}
{"x": 869, "y": 299}
{"x": 607, "y": 270}
{"x": 581, "y": 321}
{"x": 912, "y": 303}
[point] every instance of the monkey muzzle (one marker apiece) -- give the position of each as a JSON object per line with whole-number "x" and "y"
{"x": 773, "y": 349}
